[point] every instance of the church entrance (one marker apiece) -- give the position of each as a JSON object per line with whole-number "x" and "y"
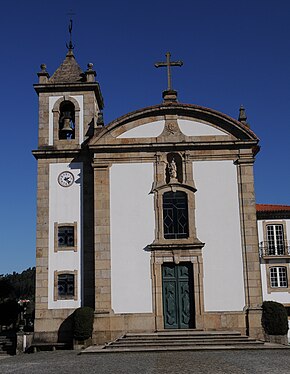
{"x": 178, "y": 299}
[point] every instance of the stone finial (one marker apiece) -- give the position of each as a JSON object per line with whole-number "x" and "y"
{"x": 100, "y": 119}
{"x": 242, "y": 115}
{"x": 43, "y": 74}
{"x": 90, "y": 73}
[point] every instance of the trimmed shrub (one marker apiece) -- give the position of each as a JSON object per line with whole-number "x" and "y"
{"x": 274, "y": 318}
{"x": 83, "y": 320}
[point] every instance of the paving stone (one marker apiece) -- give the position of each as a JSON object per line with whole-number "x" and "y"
{"x": 221, "y": 362}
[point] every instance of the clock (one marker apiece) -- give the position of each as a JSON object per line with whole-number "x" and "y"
{"x": 65, "y": 179}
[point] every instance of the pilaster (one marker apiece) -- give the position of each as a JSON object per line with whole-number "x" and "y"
{"x": 253, "y": 286}
{"x": 41, "y": 292}
{"x": 102, "y": 238}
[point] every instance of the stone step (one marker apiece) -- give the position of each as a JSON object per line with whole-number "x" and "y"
{"x": 183, "y": 344}
{"x": 180, "y": 342}
{"x": 104, "y": 350}
{"x": 194, "y": 338}
{"x": 183, "y": 333}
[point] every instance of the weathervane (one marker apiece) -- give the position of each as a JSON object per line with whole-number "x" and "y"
{"x": 70, "y": 46}
{"x": 168, "y": 64}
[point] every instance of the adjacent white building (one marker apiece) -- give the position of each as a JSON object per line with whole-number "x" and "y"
{"x": 274, "y": 246}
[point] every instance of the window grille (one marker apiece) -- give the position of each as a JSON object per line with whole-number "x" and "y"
{"x": 66, "y": 285}
{"x": 175, "y": 215}
{"x": 66, "y": 236}
{"x": 278, "y": 276}
{"x": 275, "y": 239}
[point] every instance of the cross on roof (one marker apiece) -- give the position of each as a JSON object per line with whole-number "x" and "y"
{"x": 168, "y": 64}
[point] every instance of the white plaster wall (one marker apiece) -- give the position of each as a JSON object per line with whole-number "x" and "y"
{"x": 260, "y": 231}
{"x": 218, "y": 226}
{"x": 132, "y": 229}
{"x": 65, "y": 204}
{"x": 52, "y": 101}
{"x": 80, "y": 100}
{"x": 194, "y": 128}
{"x": 149, "y": 130}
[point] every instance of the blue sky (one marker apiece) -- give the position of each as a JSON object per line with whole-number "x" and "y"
{"x": 234, "y": 53}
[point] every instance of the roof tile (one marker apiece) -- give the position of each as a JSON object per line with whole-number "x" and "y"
{"x": 68, "y": 72}
{"x": 272, "y": 208}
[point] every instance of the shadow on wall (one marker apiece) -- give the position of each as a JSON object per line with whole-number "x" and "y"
{"x": 65, "y": 331}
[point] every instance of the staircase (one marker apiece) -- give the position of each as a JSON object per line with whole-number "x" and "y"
{"x": 180, "y": 340}
{"x": 7, "y": 344}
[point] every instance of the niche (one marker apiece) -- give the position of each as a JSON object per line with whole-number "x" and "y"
{"x": 173, "y": 171}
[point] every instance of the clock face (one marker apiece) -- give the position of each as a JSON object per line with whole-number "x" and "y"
{"x": 65, "y": 179}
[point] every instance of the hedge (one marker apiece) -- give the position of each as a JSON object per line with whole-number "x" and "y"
{"x": 274, "y": 318}
{"x": 83, "y": 320}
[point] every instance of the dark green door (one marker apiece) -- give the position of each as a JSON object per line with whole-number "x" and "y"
{"x": 178, "y": 300}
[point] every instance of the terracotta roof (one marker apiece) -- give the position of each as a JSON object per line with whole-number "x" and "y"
{"x": 272, "y": 208}
{"x": 272, "y": 211}
{"x": 68, "y": 72}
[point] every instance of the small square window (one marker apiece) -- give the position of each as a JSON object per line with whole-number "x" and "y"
{"x": 65, "y": 236}
{"x": 66, "y": 285}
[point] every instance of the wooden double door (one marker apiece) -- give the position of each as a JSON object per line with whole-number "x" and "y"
{"x": 178, "y": 296}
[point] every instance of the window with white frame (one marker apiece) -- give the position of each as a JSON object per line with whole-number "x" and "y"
{"x": 278, "y": 276}
{"x": 275, "y": 239}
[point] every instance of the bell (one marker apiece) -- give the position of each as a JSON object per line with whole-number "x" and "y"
{"x": 67, "y": 123}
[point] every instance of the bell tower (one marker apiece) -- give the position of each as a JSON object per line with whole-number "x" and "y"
{"x": 70, "y": 112}
{"x": 69, "y": 104}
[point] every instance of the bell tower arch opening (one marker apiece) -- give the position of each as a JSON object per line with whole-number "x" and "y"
{"x": 66, "y": 120}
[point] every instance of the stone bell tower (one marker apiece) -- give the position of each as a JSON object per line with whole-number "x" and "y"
{"x": 70, "y": 111}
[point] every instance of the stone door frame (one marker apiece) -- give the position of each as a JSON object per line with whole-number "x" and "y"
{"x": 176, "y": 256}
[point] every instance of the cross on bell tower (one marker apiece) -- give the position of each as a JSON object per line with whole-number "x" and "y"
{"x": 169, "y": 94}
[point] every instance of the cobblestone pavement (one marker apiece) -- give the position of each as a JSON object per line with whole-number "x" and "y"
{"x": 216, "y": 362}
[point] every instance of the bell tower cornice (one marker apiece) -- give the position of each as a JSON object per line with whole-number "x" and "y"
{"x": 72, "y": 87}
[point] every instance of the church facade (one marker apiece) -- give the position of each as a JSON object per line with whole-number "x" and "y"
{"x": 150, "y": 220}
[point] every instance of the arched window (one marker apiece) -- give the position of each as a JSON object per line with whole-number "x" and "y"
{"x": 66, "y": 120}
{"x": 175, "y": 215}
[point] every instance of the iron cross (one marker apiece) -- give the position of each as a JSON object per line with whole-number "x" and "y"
{"x": 168, "y": 64}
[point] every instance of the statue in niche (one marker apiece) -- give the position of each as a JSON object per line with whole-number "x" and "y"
{"x": 172, "y": 169}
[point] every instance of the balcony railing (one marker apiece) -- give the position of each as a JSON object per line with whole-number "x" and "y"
{"x": 269, "y": 249}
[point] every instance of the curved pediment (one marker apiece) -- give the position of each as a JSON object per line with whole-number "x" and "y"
{"x": 177, "y": 122}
